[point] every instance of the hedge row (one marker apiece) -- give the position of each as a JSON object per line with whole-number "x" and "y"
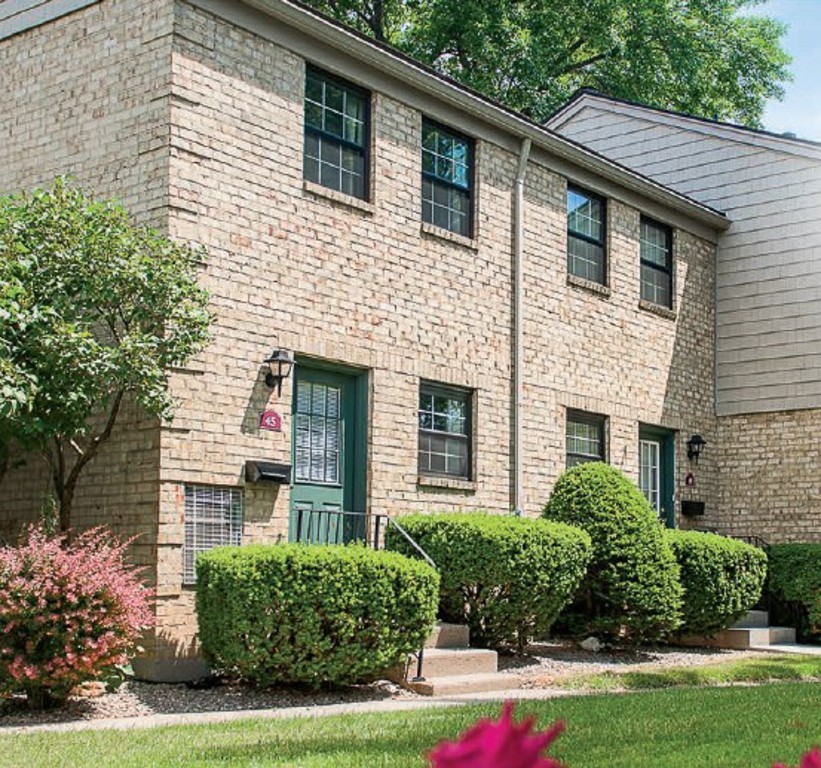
{"x": 507, "y": 578}
{"x": 722, "y": 579}
{"x": 795, "y": 586}
{"x": 292, "y": 613}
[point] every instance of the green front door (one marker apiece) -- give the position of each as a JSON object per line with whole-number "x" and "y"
{"x": 656, "y": 471}
{"x": 328, "y": 456}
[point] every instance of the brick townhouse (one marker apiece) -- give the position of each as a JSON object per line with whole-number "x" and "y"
{"x": 473, "y": 302}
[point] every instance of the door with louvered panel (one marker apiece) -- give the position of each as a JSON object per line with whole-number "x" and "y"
{"x": 327, "y": 494}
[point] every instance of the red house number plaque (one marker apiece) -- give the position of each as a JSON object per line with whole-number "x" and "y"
{"x": 271, "y": 421}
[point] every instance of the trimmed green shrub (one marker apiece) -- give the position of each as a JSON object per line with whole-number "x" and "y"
{"x": 295, "y": 613}
{"x": 632, "y": 590}
{"x": 507, "y": 578}
{"x": 722, "y": 579}
{"x": 795, "y": 586}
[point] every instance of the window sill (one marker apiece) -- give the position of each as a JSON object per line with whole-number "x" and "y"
{"x": 657, "y": 309}
{"x": 335, "y": 196}
{"x": 431, "y": 230}
{"x": 450, "y": 483}
{"x": 589, "y": 285}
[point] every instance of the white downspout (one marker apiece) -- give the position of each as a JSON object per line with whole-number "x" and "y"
{"x": 518, "y": 323}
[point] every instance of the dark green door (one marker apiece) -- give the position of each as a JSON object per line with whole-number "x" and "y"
{"x": 328, "y": 456}
{"x": 657, "y": 471}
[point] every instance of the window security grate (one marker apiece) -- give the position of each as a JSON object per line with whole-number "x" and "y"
{"x": 213, "y": 518}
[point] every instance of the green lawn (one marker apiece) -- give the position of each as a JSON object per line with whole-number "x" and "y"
{"x": 697, "y": 728}
{"x": 751, "y": 670}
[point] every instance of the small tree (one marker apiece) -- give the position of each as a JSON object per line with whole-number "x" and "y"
{"x": 92, "y": 309}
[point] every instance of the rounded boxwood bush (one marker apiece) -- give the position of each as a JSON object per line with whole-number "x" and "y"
{"x": 795, "y": 587}
{"x": 507, "y": 578}
{"x": 632, "y": 590}
{"x": 722, "y": 579}
{"x": 296, "y": 613}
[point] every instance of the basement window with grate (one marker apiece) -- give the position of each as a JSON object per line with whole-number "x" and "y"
{"x": 213, "y": 518}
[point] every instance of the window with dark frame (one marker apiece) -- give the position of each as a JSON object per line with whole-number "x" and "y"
{"x": 213, "y": 518}
{"x": 585, "y": 438}
{"x": 656, "y": 263}
{"x": 586, "y": 235}
{"x": 447, "y": 179}
{"x": 444, "y": 431}
{"x": 337, "y": 118}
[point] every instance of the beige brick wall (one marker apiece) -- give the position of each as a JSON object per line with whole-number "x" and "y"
{"x": 86, "y": 96}
{"x": 769, "y": 480}
{"x": 206, "y": 138}
{"x": 363, "y": 285}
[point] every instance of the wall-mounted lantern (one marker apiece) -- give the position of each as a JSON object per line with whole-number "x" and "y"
{"x": 694, "y": 446}
{"x": 280, "y": 362}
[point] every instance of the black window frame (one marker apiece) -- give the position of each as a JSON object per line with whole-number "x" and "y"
{"x": 364, "y": 150}
{"x": 466, "y": 395}
{"x": 435, "y": 180}
{"x": 598, "y": 420}
{"x": 580, "y": 236}
{"x": 666, "y": 270}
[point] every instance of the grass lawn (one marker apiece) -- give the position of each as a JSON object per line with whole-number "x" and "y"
{"x": 752, "y": 670}
{"x": 693, "y": 727}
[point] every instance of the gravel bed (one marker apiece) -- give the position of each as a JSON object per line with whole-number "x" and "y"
{"x": 546, "y": 664}
{"x": 139, "y": 699}
{"x": 542, "y": 666}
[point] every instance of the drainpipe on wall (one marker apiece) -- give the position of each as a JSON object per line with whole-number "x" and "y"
{"x": 518, "y": 322}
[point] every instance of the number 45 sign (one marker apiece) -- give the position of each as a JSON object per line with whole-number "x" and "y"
{"x": 271, "y": 421}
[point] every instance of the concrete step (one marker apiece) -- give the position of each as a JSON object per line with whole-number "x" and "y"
{"x": 455, "y": 684}
{"x": 448, "y": 662}
{"x": 782, "y": 635}
{"x": 753, "y": 619}
{"x": 744, "y": 637}
{"x": 449, "y": 636}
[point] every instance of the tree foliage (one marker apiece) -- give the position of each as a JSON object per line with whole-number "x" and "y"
{"x": 710, "y": 58}
{"x": 92, "y": 309}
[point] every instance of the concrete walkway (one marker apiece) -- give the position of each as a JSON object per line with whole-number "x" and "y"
{"x": 390, "y": 705}
{"x": 207, "y": 718}
{"x": 803, "y": 650}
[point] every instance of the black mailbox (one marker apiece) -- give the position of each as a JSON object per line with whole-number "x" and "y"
{"x": 692, "y": 508}
{"x": 267, "y": 472}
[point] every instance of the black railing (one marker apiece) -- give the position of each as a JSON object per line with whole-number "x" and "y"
{"x": 336, "y": 526}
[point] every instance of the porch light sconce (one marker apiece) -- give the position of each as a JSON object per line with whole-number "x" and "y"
{"x": 280, "y": 362}
{"x": 694, "y": 446}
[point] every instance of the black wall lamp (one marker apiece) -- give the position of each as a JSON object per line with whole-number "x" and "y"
{"x": 280, "y": 362}
{"x": 694, "y": 446}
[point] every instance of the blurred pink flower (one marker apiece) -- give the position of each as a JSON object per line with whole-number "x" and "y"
{"x": 811, "y": 759}
{"x": 500, "y": 744}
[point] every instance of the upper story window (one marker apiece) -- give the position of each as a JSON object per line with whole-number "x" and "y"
{"x": 656, "y": 263}
{"x": 586, "y": 231}
{"x": 444, "y": 431}
{"x": 585, "y": 438}
{"x": 336, "y": 133}
{"x": 447, "y": 179}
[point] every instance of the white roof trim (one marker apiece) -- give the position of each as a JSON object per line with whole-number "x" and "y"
{"x": 735, "y": 133}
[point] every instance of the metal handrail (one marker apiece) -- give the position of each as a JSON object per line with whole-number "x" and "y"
{"x": 412, "y": 542}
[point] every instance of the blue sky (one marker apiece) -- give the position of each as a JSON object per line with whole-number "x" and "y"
{"x": 800, "y": 111}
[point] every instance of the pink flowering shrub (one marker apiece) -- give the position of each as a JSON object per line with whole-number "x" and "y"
{"x": 498, "y": 744}
{"x": 68, "y": 611}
